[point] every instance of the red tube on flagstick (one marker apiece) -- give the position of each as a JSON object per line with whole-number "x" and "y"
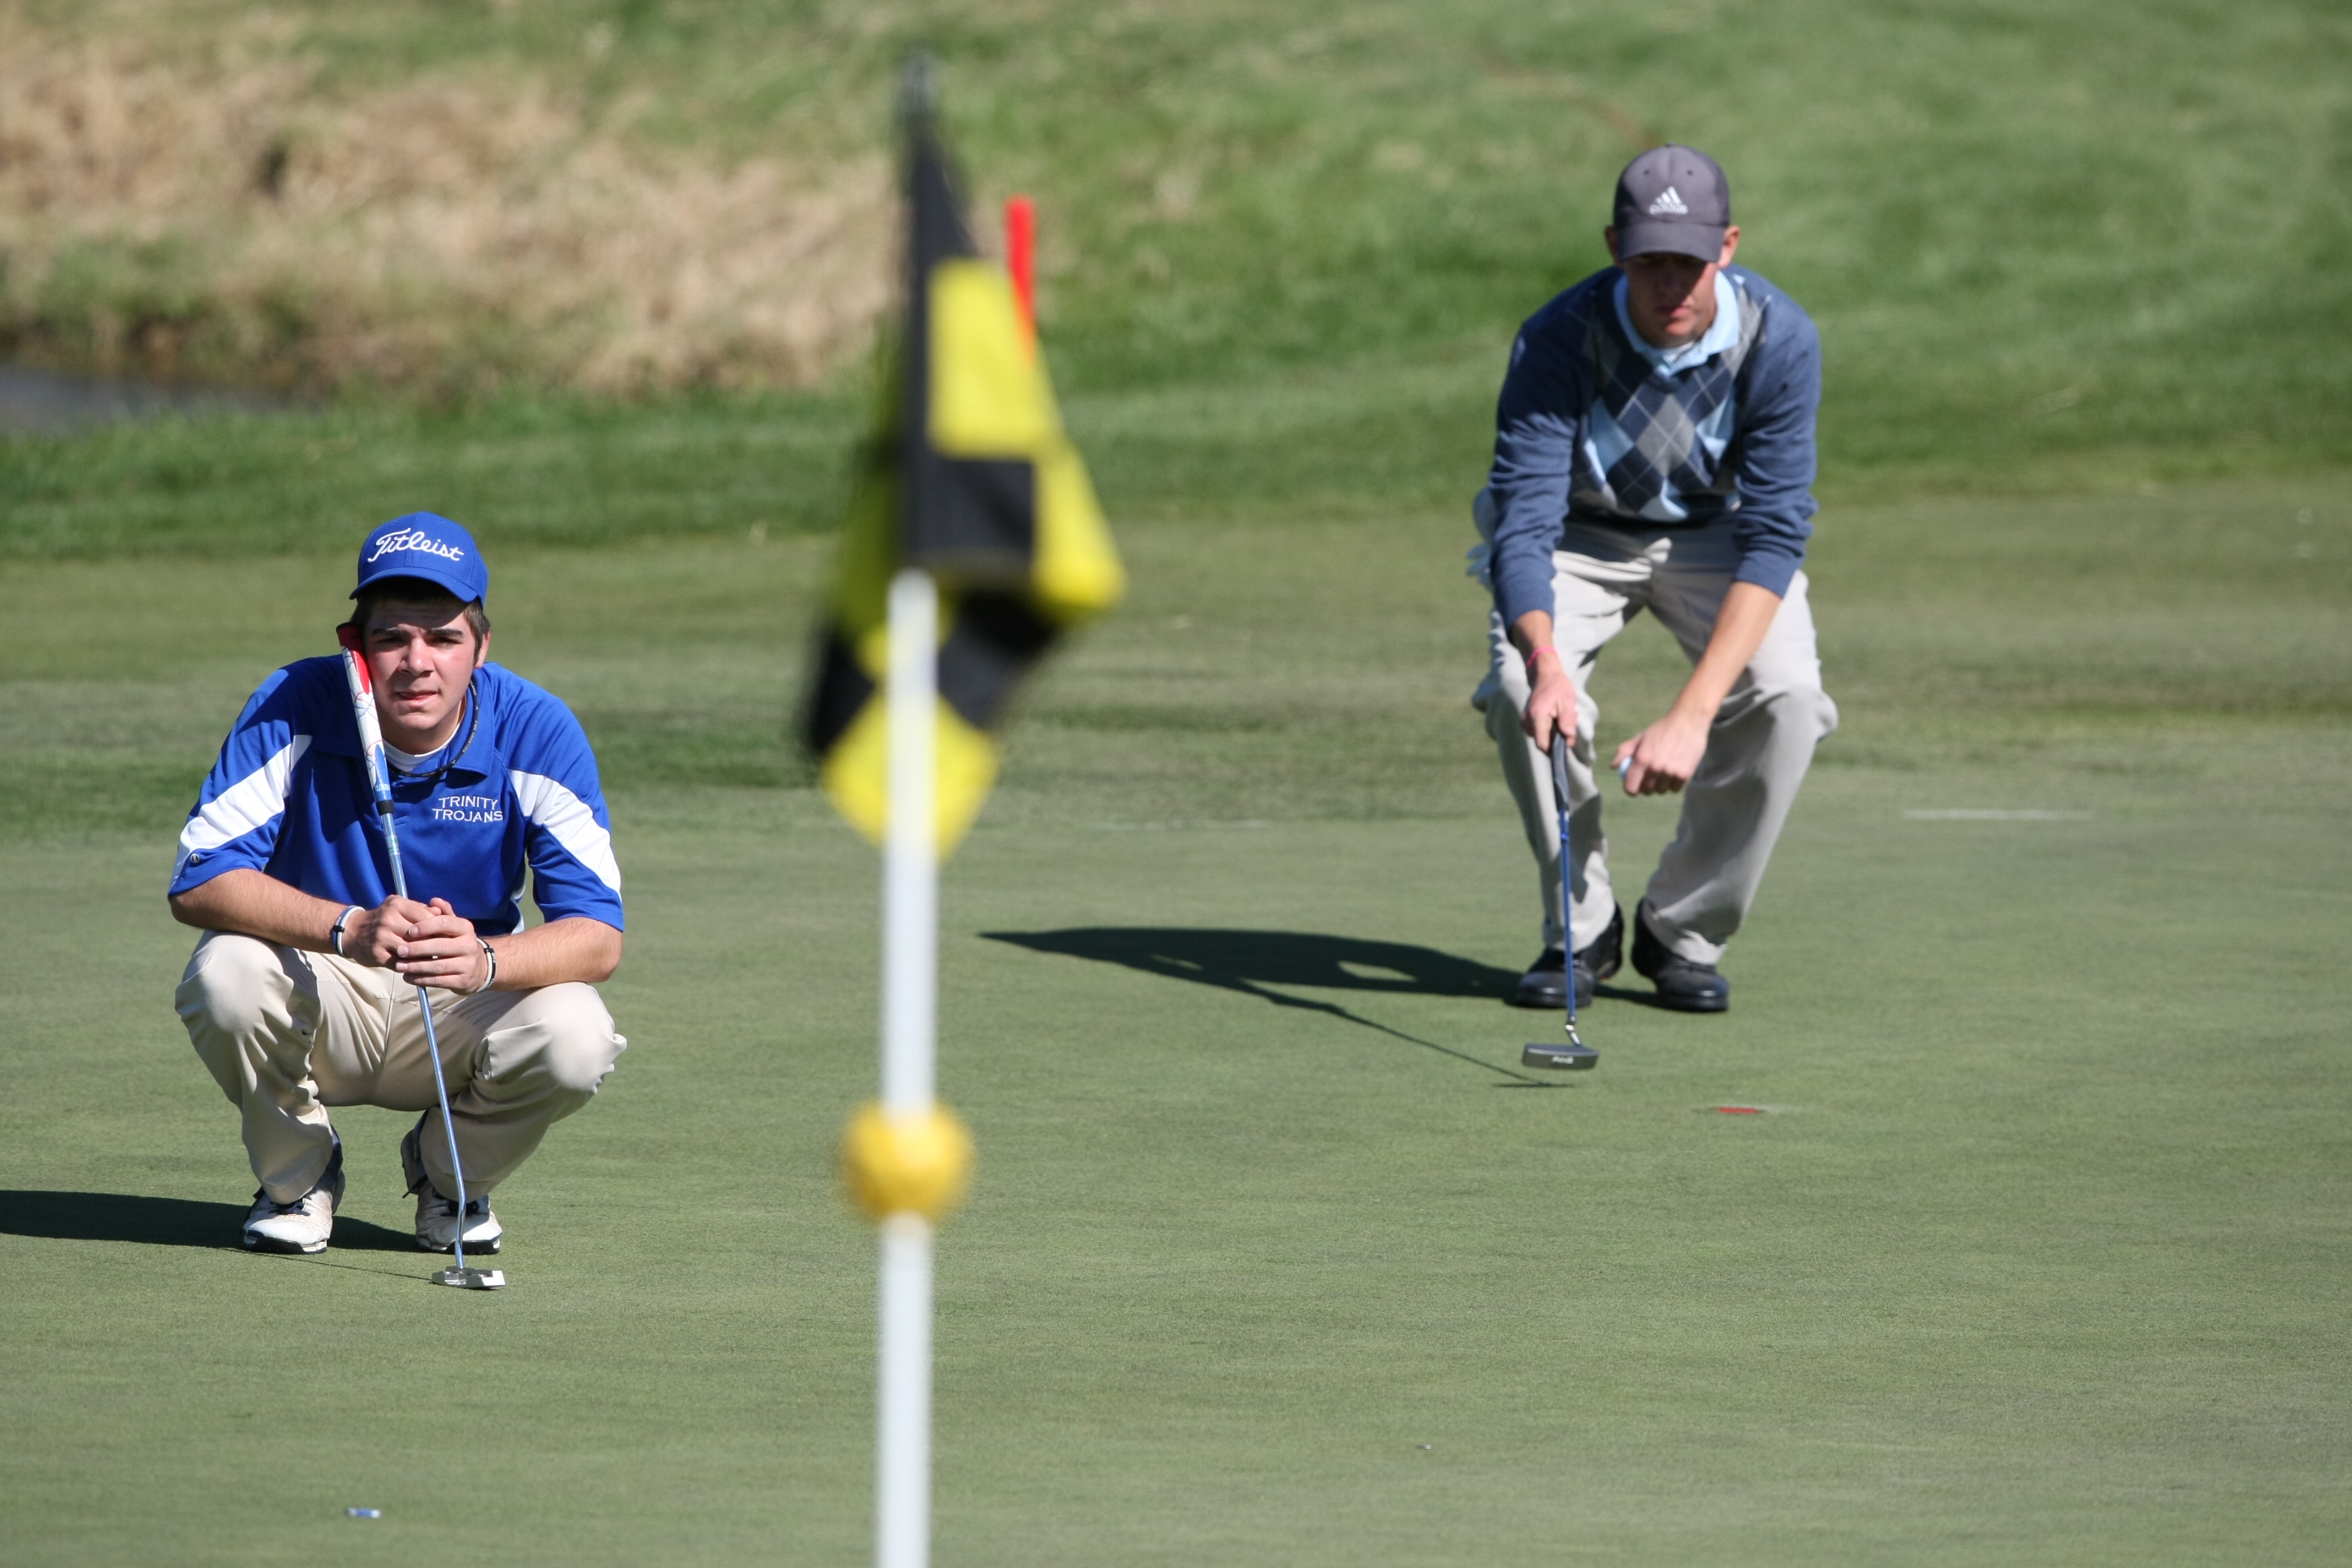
{"x": 1021, "y": 257}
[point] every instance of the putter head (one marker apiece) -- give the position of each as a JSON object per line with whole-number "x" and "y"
{"x": 472, "y": 1279}
{"x": 1563, "y": 1056}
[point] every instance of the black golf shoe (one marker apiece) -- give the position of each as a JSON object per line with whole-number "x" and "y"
{"x": 1545, "y": 984}
{"x": 1685, "y": 987}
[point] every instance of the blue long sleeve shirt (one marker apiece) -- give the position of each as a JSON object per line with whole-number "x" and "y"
{"x": 1556, "y": 441}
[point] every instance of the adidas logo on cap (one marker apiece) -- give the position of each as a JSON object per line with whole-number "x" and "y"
{"x": 1668, "y": 195}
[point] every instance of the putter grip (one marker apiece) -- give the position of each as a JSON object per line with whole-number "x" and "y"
{"x": 363, "y": 690}
{"x": 1559, "y": 770}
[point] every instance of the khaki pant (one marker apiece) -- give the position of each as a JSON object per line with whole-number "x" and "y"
{"x": 1756, "y": 756}
{"x": 288, "y": 1033}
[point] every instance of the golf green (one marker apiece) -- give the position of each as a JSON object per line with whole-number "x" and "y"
{"x": 2033, "y": 1248}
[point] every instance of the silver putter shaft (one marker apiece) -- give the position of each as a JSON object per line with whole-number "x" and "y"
{"x": 457, "y": 1275}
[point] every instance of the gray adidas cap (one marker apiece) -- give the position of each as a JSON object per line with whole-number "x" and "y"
{"x": 1673, "y": 198}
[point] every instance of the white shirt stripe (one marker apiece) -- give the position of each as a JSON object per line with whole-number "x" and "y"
{"x": 568, "y": 818}
{"x": 251, "y": 801}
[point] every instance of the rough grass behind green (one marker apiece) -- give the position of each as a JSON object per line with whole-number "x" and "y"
{"x": 2047, "y": 244}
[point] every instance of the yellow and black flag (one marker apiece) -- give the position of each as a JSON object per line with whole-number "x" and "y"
{"x": 971, "y": 479}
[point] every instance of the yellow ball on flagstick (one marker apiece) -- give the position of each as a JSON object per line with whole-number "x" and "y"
{"x": 907, "y": 1164}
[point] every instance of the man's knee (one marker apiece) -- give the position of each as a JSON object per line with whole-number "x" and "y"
{"x": 1501, "y": 713}
{"x": 577, "y": 1045}
{"x": 1789, "y": 701}
{"x": 1806, "y": 709}
{"x": 235, "y": 986}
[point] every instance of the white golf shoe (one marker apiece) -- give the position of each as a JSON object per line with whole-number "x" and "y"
{"x": 436, "y": 1217}
{"x": 437, "y": 1223}
{"x": 302, "y": 1226}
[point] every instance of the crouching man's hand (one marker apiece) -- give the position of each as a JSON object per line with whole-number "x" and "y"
{"x": 1662, "y": 758}
{"x": 427, "y": 944}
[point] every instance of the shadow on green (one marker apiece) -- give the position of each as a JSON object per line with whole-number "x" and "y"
{"x": 1249, "y": 961}
{"x": 159, "y": 1222}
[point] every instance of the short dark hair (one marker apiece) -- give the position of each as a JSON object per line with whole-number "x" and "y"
{"x": 419, "y": 591}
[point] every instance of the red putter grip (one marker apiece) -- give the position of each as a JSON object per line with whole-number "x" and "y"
{"x": 349, "y": 638}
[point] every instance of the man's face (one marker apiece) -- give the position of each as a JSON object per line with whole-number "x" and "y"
{"x": 1671, "y": 297}
{"x": 421, "y": 658}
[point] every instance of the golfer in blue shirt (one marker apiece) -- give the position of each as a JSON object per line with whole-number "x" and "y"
{"x": 1654, "y": 451}
{"x": 302, "y": 992}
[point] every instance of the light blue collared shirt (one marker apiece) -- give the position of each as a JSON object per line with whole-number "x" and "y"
{"x": 1604, "y": 443}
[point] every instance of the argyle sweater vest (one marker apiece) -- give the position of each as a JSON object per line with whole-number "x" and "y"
{"x": 1660, "y": 414}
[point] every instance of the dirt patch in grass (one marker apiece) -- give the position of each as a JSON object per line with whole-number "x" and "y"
{"x": 215, "y": 217}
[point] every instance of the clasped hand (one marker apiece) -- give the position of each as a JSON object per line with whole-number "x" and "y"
{"x": 427, "y": 944}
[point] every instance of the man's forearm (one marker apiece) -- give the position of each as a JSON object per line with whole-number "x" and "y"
{"x": 1551, "y": 692}
{"x": 1740, "y": 626}
{"x": 573, "y": 948}
{"x": 1664, "y": 757}
{"x": 258, "y": 904}
{"x": 1530, "y": 632}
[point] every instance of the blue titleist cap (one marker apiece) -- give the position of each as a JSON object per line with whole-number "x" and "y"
{"x": 425, "y": 545}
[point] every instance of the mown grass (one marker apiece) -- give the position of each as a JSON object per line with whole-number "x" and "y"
{"x": 527, "y": 473}
{"x": 2033, "y": 1253}
{"x": 2126, "y": 635}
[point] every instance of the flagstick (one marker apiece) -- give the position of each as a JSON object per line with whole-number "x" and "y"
{"x": 910, "y": 891}
{"x": 910, "y": 876}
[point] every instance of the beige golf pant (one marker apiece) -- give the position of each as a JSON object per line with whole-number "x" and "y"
{"x": 288, "y": 1033}
{"x": 1756, "y": 754}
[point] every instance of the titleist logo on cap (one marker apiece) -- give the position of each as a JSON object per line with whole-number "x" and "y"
{"x": 413, "y": 539}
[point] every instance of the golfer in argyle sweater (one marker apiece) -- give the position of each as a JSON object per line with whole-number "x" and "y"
{"x": 1654, "y": 451}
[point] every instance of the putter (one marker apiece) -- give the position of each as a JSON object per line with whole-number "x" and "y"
{"x": 355, "y": 671}
{"x": 1572, "y": 1054}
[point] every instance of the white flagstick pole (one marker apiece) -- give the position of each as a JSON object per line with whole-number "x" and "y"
{"x": 910, "y": 893}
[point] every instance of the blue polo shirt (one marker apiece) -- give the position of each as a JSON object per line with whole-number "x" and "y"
{"x": 290, "y": 797}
